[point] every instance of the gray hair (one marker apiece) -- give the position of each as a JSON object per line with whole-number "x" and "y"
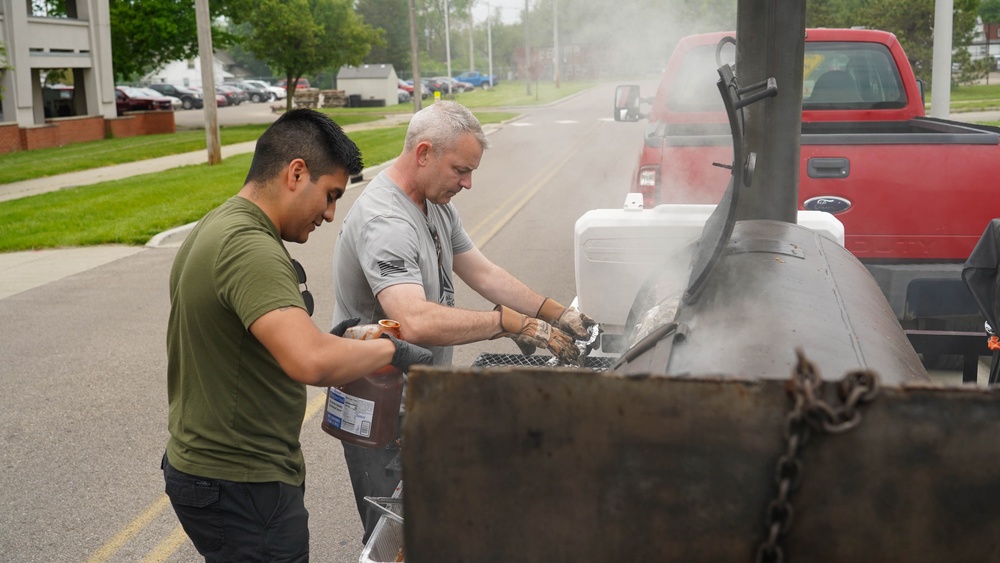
{"x": 442, "y": 123}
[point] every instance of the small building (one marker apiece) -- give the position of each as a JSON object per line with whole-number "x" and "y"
{"x": 375, "y": 84}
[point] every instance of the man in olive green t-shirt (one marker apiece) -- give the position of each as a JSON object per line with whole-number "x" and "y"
{"x": 241, "y": 348}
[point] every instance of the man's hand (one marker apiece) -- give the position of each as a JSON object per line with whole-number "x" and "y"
{"x": 567, "y": 319}
{"x": 407, "y": 354}
{"x": 342, "y": 326}
{"x": 528, "y": 333}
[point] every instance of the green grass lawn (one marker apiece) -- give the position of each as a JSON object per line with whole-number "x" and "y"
{"x": 133, "y": 210}
{"x": 26, "y": 165}
{"x": 978, "y": 97}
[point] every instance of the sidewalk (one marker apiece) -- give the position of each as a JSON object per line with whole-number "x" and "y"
{"x": 21, "y": 271}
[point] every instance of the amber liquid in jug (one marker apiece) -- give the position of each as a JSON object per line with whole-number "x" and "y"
{"x": 365, "y": 412}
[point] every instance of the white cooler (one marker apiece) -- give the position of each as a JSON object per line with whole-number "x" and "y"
{"x": 616, "y": 250}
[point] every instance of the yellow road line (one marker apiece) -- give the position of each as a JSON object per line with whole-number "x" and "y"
{"x": 315, "y": 404}
{"x": 130, "y": 530}
{"x": 167, "y": 547}
{"x": 523, "y": 195}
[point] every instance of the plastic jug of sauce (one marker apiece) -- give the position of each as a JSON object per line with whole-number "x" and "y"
{"x": 365, "y": 412}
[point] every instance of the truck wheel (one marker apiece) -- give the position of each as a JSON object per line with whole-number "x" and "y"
{"x": 187, "y": 103}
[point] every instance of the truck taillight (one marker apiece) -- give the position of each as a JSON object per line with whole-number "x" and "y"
{"x": 648, "y": 184}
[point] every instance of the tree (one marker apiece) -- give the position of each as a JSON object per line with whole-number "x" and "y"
{"x": 392, "y": 17}
{"x": 912, "y": 21}
{"x": 147, "y": 34}
{"x": 989, "y": 11}
{"x": 299, "y": 37}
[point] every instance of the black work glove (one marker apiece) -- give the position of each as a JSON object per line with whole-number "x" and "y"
{"x": 407, "y": 354}
{"x": 342, "y": 326}
{"x": 529, "y": 332}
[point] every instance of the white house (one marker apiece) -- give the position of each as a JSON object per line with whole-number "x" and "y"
{"x": 80, "y": 42}
{"x": 371, "y": 82}
{"x": 188, "y": 73}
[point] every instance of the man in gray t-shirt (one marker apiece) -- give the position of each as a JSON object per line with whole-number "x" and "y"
{"x": 395, "y": 257}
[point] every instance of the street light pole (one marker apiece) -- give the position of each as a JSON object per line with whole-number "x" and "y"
{"x": 555, "y": 40}
{"x": 527, "y": 54}
{"x": 447, "y": 43}
{"x": 489, "y": 38}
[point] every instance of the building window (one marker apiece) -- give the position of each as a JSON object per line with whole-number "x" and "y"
{"x": 191, "y": 63}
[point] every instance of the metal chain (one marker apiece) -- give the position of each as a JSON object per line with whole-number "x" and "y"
{"x": 809, "y": 412}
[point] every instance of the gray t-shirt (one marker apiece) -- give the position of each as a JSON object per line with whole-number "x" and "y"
{"x": 387, "y": 240}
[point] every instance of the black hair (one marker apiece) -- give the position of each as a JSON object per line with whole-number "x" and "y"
{"x": 306, "y": 134}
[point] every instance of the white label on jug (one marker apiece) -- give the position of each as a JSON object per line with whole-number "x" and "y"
{"x": 349, "y": 413}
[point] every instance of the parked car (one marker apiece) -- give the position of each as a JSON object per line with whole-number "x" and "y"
{"x": 457, "y": 86}
{"x": 255, "y": 93}
{"x": 433, "y": 85}
{"x": 302, "y": 83}
{"x": 403, "y": 95}
{"x": 276, "y": 93}
{"x": 128, "y": 98}
{"x": 234, "y": 96}
{"x": 190, "y": 99}
{"x": 220, "y": 100}
{"x": 408, "y": 86}
{"x": 58, "y": 100}
{"x": 175, "y": 102}
{"x": 477, "y": 79}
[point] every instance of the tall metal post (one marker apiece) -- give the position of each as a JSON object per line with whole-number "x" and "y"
{"x": 489, "y": 38}
{"x": 555, "y": 41}
{"x": 447, "y": 42}
{"x": 769, "y": 44}
{"x": 472, "y": 46}
{"x": 207, "y": 58}
{"x": 527, "y": 52}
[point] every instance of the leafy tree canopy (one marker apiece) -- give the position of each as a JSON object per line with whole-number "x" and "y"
{"x": 147, "y": 34}
{"x": 989, "y": 10}
{"x": 300, "y": 37}
{"x": 912, "y": 21}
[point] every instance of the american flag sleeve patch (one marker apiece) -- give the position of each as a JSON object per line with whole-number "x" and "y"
{"x": 390, "y": 267}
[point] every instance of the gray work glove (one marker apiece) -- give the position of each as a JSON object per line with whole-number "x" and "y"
{"x": 567, "y": 319}
{"x": 342, "y": 326}
{"x": 529, "y": 332}
{"x": 408, "y": 354}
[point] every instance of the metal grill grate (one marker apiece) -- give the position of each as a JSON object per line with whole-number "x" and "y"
{"x": 486, "y": 360}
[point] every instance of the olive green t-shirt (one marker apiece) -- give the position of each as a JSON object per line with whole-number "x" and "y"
{"x": 234, "y": 413}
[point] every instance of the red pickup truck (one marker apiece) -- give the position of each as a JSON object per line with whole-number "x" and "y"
{"x": 914, "y": 193}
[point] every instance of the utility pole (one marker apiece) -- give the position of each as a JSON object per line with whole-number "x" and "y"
{"x": 941, "y": 65}
{"x": 489, "y": 38}
{"x": 527, "y": 52}
{"x": 418, "y": 86}
{"x": 472, "y": 50}
{"x": 447, "y": 43}
{"x": 555, "y": 41}
{"x": 205, "y": 54}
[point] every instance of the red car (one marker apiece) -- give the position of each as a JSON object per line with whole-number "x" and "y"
{"x": 131, "y": 99}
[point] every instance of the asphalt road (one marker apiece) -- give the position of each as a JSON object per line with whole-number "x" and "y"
{"x": 82, "y": 376}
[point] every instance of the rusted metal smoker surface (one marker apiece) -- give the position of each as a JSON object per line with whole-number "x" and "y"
{"x": 561, "y": 465}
